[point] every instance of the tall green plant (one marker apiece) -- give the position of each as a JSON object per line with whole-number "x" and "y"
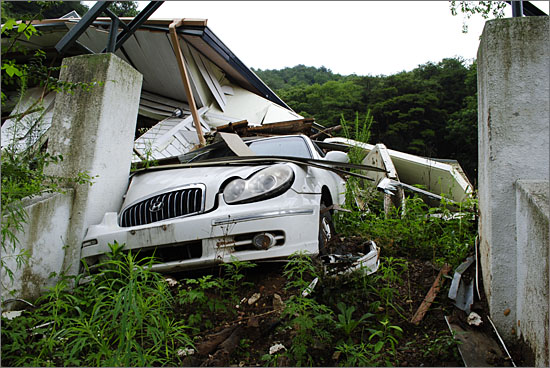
{"x": 121, "y": 317}
{"x": 310, "y": 319}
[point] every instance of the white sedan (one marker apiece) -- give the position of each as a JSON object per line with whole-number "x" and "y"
{"x": 210, "y": 209}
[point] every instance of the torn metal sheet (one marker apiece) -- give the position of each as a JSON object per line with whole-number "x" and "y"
{"x": 341, "y": 264}
{"x": 439, "y": 178}
{"x": 391, "y": 186}
{"x": 309, "y": 289}
{"x": 236, "y": 144}
{"x": 460, "y": 291}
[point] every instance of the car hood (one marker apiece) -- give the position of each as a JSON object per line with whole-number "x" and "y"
{"x": 148, "y": 183}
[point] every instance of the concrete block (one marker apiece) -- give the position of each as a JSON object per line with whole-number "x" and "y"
{"x": 533, "y": 267}
{"x": 93, "y": 129}
{"x": 513, "y": 142}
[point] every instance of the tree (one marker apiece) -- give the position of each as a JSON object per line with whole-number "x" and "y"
{"x": 124, "y": 8}
{"x": 485, "y": 8}
{"x": 25, "y": 10}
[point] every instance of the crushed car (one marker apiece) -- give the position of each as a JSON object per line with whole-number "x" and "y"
{"x": 257, "y": 199}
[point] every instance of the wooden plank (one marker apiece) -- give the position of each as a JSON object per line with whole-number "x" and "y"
{"x": 185, "y": 79}
{"x": 430, "y": 297}
{"x": 284, "y": 127}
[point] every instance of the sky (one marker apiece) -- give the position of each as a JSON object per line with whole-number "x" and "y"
{"x": 347, "y": 37}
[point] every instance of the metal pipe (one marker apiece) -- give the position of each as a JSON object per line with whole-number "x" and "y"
{"x": 517, "y": 9}
{"x": 113, "y": 31}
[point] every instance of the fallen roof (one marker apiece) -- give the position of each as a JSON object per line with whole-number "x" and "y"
{"x": 149, "y": 49}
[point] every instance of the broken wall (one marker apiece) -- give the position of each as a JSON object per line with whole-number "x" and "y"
{"x": 513, "y": 142}
{"x": 42, "y": 238}
{"x": 93, "y": 129}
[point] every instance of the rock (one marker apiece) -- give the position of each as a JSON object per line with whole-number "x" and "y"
{"x": 474, "y": 319}
{"x": 276, "y": 348}
{"x": 185, "y": 352}
{"x": 278, "y": 302}
{"x": 170, "y": 281}
{"x": 254, "y": 298}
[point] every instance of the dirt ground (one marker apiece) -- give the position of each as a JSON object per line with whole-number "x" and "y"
{"x": 244, "y": 339}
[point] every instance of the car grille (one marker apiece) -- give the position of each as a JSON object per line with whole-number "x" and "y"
{"x": 183, "y": 202}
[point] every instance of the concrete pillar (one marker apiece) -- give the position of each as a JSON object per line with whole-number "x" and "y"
{"x": 513, "y": 141}
{"x": 93, "y": 129}
{"x": 533, "y": 270}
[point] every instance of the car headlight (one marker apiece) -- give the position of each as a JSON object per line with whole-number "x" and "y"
{"x": 264, "y": 184}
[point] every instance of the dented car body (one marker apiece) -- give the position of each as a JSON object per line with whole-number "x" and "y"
{"x": 210, "y": 209}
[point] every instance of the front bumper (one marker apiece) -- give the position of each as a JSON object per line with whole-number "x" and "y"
{"x": 218, "y": 236}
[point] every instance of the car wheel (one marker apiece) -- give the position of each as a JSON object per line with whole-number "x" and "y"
{"x": 326, "y": 229}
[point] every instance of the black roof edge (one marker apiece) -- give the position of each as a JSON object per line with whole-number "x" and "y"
{"x": 530, "y": 9}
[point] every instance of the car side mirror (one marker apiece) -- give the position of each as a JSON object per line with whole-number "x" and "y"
{"x": 337, "y": 156}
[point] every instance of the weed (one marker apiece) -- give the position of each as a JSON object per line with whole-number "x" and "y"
{"x": 199, "y": 298}
{"x": 309, "y": 319}
{"x": 120, "y": 317}
{"x": 442, "y": 347}
{"x": 345, "y": 319}
{"x": 385, "y": 337}
{"x": 233, "y": 278}
{"x": 356, "y": 355}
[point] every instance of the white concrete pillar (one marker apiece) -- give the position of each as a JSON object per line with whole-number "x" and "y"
{"x": 94, "y": 131}
{"x": 533, "y": 270}
{"x": 513, "y": 140}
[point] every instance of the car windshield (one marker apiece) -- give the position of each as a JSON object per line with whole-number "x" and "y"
{"x": 279, "y": 146}
{"x": 286, "y": 146}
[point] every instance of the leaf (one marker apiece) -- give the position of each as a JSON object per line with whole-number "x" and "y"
{"x": 10, "y": 23}
{"x": 21, "y": 27}
{"x": 378, "y": 346}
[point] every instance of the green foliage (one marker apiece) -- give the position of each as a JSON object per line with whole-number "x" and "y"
{"x": 357, "y": 355}
{"x": 310, "y": 320}
{"x": 124, "y": 8}
{"x": 485, "y": 8}
{"x": 299, "y": 75}
{"x": 120, "y": 317}
{"x": 26, "y": 10}
{"x": 208, "y": 294}
{"x": 233, "y": 278}
{"x": 434, "y": 234}
{"x": 385, "y": 336}
{"x": 422, "y": 111}
{"x": 443, "y": 346}
{"x": 345, "y": 318}
{"x": 199, "y": 297}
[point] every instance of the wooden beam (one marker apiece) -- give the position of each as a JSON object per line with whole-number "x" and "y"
{"x": 284, "y": 127}
{"x": 185, "y": 78}
{"x": 430, "y": 297}
{"x": 233, "y": 127}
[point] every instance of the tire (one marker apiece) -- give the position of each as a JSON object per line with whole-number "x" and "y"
{"x": 326, "y": 229}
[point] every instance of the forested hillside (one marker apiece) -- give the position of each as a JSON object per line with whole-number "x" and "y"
{"x": 429, "y": 111}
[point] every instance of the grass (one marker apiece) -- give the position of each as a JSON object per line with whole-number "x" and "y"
{"x": 128, "y": 315}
